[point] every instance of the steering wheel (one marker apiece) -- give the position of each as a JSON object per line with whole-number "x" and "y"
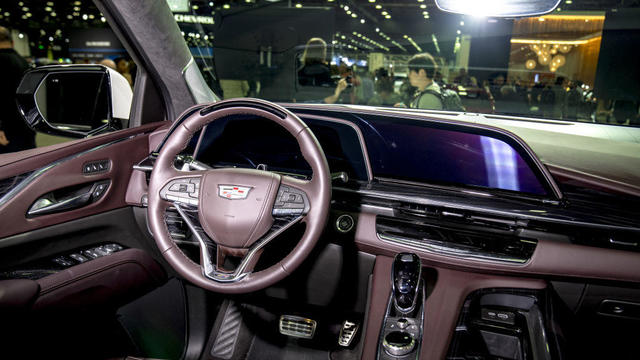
{"x": 237, "y": 212}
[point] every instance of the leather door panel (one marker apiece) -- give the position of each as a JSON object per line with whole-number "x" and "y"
{"x": 60, "y": 167}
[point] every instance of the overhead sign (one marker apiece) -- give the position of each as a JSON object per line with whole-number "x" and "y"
{"x": 193, "y": 19}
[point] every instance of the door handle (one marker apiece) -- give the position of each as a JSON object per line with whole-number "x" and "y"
{"x": 49, "y": 204}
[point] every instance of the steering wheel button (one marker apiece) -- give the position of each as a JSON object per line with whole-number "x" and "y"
{"x": 174, "y": 187}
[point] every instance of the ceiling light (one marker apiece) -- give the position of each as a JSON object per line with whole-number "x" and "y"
{"x": 85, "y": 16}
{"x": 77, "y": 3}
{"x": 226, "y": 6}
{"x": 25, "y": 9}
{"x": 385, "y": 13}
{"x": 50, "y": 38}
{"x": 103, "y": 19}
{"x": 377, "y": 29}
{"x": 388, "y": 17}
{"x": 92, "y": 17}
{"x": 69, "y": 17}
{"x": 378, "y": 6}
{"x": 361, "y": 21}
{"x": 348, "y": 12}
{"x": 461, "y": 23}
{"x": 346, "y": 7}
{"x": 298, "y": 5}
{"x": 195, "y": 7}
{"x": 48, "y": 8}
{"x": 459, "y": 32}
{"x": 53, "y": 14}
{"x": 354, "y": 15}
{"x": 21, "y": 36}
{"x": 423, "y": 6}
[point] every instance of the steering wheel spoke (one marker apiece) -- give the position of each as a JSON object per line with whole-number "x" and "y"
{"x": 183, "y": 190}
{"x": 292, "y": 199}
{"x": 213, "y": 269}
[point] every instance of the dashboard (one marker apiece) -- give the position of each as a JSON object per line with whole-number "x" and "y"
{"x": 445, "y": 188}
{"x": 378, "y": 147}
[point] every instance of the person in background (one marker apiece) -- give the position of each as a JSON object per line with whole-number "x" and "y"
{"x": 122, "y": 66}
{"x": 462, "y": 78}
{"x": 560, "y": 97}
{"x": 364, "y": 86}
{"x": 573, "y": 101}
{"x": 422, "y": 69}
{"x": 108, "y": 63}
{"x": 15, "y": 135}
{"x": 346, "y": 82}
{"x": 314, "y": 70}
{"x": 385, "y": 96}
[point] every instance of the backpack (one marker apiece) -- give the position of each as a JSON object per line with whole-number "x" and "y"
{"x": 449, "y": 99}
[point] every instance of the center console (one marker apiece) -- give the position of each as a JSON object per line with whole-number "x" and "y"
{"x": 401, "y": 334}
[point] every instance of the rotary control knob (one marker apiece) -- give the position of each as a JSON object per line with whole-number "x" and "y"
{"x": 398, "y": 343}
{"x": 344, "y": 223}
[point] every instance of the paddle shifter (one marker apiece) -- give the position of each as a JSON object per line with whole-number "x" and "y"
{"x": 406, "y": 278}
{"x": 401, "y": 334}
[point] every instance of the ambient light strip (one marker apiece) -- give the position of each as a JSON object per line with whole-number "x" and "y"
{"x": 551, "y": 42}
{"x": 572, "y": 17}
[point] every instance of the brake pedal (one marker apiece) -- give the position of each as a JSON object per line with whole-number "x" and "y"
{"x": 297, "y": 326}
{"x": 347, "y": 333}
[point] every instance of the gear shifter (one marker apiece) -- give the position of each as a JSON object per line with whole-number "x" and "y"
{"x": 406, "y": 274}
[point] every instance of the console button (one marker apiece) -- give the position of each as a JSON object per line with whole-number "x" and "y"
{"x": 79, "y": 258}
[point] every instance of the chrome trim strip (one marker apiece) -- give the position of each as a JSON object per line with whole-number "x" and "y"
{"x": 37, "y": 173}
{"x": 448, "y": 251}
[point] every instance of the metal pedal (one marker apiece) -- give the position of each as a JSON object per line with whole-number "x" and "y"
{"x": 347, "y": 333}
{"x": 297, "y": 326}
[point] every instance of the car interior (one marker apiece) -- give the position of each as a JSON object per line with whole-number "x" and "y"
{"x": 247, "y": 229}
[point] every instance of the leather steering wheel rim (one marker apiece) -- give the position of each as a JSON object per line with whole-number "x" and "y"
{"x": 317, "y": 190}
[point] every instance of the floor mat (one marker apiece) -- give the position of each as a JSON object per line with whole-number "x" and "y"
{"x": 261, "y": 349}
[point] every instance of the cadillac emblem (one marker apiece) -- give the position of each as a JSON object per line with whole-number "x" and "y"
{"x": 233, "y": 192}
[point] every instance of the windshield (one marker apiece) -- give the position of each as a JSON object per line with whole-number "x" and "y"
{"x": 577, "y": 63}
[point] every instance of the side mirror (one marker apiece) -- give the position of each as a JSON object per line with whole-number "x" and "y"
{"x": 74, "y": 100}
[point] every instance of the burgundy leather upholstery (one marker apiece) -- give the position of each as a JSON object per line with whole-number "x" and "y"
{"x": 108, "y": 281}
{"x": 17, "y": 294}
{"x": 244, "y": 222}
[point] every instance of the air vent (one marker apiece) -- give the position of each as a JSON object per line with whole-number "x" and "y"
{"x": 457, "y": 240}
{"x": 297, "y": 326}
